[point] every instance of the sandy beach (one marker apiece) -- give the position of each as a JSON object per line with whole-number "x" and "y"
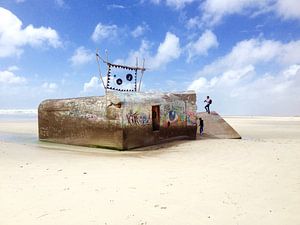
{"x": 255, "y": 180}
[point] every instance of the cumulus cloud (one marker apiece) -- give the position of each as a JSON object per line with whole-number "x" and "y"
{"x": 177, "y": 4}
{"x": 142, "y": 52}
{"x": 13, "y": 37}
{"x": 103, "y": 31}
{"x": 255, "y": 51}
{"x": 94, "y": 86}
{"x": 115, "y": 6}
{"x": 242, "y": 82}
{"x": 215, "y": 10}
{"x": 253, "y": 93}
{"x": 139, "y": 30}
{"x": 7, "y": 77}
{"x": 13, "y": 68}
{"x": 167, "y": 51}
{"x": 205, "y": 42}
{"x": 229, "y": 78}
{"x": 288, "y": 9}
{"x": 81, "y": 56}
{"x": 49, "y": 86}
{"x": 194, "y": 22}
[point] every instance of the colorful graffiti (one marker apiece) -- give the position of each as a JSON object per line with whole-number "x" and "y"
{"x": 173, "y": 117}
{"x": 137, "y": 118}
{"x": 173, "y": 114}
{"x": 191, "y": 118}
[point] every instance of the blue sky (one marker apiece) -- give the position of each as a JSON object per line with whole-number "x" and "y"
{"x": 244, "y": 54}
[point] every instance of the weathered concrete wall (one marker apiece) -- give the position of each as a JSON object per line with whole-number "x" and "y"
{"x": 81, "y": 121}
{"x": 215, "y": 126}
{"x": 118, "y": 120}
{"x": 177, "y": 117}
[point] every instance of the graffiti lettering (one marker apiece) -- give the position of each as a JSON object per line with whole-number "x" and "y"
{"x": 135, "y": 118}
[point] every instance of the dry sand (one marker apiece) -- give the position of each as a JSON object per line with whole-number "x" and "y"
{"x": 255, "y": 180}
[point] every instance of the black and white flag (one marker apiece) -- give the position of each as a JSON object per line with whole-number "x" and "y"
{"x": 121, "y": 78}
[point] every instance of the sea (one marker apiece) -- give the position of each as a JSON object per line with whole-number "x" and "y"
{"x": 18, "y": 114}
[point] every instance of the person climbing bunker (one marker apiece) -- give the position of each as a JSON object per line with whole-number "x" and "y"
{"x": 208, "y": 103}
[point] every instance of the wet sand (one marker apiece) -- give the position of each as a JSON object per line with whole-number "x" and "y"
{"x": 255, "y": 180}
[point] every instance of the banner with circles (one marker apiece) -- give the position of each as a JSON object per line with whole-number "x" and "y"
{"x": 121, "y": 78}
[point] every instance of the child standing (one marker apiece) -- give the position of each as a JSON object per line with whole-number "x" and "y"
{"x": 201, "y": 125}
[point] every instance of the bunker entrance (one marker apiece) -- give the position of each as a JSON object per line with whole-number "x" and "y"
{"x": 155, "y": 117}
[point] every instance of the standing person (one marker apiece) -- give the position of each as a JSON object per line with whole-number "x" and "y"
{"x": 208, "y": 102}
{"x": 201, "y": 125}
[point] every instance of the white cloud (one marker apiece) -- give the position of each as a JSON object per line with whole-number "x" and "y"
{"x": 115, "y": 6}
{"x": 272, "y": 94}
{"x": 194, "y": 22}
{"x": 13, "y": 68}
{"x": 49, "y": 86}
{"x": 266, "y": 94}
{"x": 291, "y": 71}
{"x": 94, "y": 84}
{"x": 255, "y": 77}
{"x": 7, "y": 77}
{"x": 288, "y": 9}
{"x": 139, "y": 30}
{"x": 142, "y": 52}
{"x": 103, "y": 31}
{"x": 177, "y": 4}
{"x": 81, "y": 56}
{"x": 215, "y": 10}
{"x": 13, "y": 37}
{"x": 254, "y": 52}
{"x": 205, "y": 42}
{"x": 167, "y": 51}
{"x": 228, "y": 78}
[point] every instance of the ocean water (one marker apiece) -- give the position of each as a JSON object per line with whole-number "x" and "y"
{"x": 18, "y": 114}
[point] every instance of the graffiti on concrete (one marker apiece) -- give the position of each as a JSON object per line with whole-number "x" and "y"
{"x": 173, "y": 113}
{"x": 144, "y": 119}
{"x": 117, "y": 120}
{"x": 137, "y": 118}
{"x": 89, "y": 116}
{"x": 173, "y": 117}
{"x": 132, "y": 118}
{"x": 191, "y": 118}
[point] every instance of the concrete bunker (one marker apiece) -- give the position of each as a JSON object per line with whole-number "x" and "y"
{"x": 119, "y": 120}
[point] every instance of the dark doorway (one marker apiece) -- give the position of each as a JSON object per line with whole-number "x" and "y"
{"x": 155, "y": 117}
